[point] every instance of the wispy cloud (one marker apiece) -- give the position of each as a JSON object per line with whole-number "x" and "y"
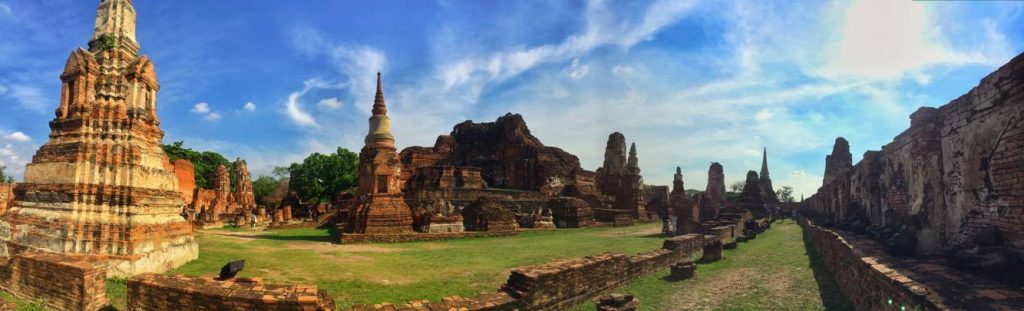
{"x": 30, "y": 97}
{"x": 249, "y": 106}
{"x": 17, "y": 136}
{"x": 330, "y": 103}
{"x": 203, "y": 109}
{"x": 293, "y": 107}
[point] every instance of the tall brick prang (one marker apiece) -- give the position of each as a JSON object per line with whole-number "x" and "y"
{"x": 102, "y": 184}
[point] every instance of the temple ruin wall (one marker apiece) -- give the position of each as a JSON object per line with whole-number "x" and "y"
{"x": 955, "y": 171}
{"x": 67, "y": 282}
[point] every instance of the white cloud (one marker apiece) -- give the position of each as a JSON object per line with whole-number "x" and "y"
{"x": 621, "y": 70}
{"x": 3, "y": 89}
{"x": 576, "y": 70}
{"x": 293, "y": 106}
{"x": 600, "y": 30}
{"x": 201, "y": 108}
{"x": 881, "y": 39}
{"x": 249, "y": 106}
{"x": 329, "y": 103}
{"x": 30, "y": 97}
{"x": 759, "y": 86}
{"x": 17, "y": 136}
{"x": 204, "y": 109}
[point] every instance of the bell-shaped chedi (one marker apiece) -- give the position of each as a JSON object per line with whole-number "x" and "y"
{"x": 765, "y": 183}
{"x": 750, "y": 199}
{"x": 102, "y": 184}
{"x": 380, "y": 207}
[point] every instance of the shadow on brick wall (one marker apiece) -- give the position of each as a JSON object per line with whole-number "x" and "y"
{"x": 831, "y": 297}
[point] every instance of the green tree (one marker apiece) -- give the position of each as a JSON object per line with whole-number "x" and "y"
{"x": 737, "y": 186}
{"x": 263, "y": 186}
{"x": 205, "y": 163}
{"x": 321, "y": 176}
{"x": 4, "y": 177}
{"x": 785, "y": 194}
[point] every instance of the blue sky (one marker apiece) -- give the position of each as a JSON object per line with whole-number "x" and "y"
{"x": 690, "y": 82}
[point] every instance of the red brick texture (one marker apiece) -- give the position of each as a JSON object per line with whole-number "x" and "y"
{"x": 61, "y": 282}
{"x": 163, "y": 292}
{"x": 873, "y": 280}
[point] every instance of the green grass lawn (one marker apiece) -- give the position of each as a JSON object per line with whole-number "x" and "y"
{"x": 374, "y": 273}
{"x": 773, "y": 272}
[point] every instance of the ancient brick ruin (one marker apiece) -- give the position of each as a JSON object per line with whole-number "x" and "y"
{"x": 380, "y": 207}
{"x": 764, "y": 181}
{"x": 61, "y": 282}
{"x": 102, "y": 185}
{"x": 504, "y": 163}
{"x": 563, "y": 284}
{"x": 6, "y": 196}
{"x": 163, "y": 292}
{"x": 713, "y": 198}
{"x": 619, "y": 178}
{"x": 950, "y": 186}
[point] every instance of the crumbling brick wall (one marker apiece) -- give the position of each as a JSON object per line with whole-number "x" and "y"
{"x": 563, "y": 284}
{"x": 957, "y": 170}
{"x": 868, "y": 285}
{"x": 6, "y": 196}
{"x": 163, "y": 292}
{"x": 61, "y": 282}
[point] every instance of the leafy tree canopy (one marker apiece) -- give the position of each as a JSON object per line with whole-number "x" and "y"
{"x": 263, "y": 186}
{"x": 4, "y": 177}
{"x": 205, "y": 163}
{"x": 785, "y": 194}
{"x": 321, "y": 176}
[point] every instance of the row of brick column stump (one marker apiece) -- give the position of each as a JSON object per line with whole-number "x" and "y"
{"x": 617, "y": 302}
{"x": 683, "y": 270}
{"x": 712, "y": 249}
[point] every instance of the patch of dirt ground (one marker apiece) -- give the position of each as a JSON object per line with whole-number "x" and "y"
{"x": 717, "y": 290}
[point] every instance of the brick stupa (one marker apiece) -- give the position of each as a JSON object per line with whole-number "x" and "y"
{"x": 102, "y": 184}
{"x": 380, "y": 207}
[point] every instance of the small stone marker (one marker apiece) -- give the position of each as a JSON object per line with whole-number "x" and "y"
{"x": 617, "y": 302}
{"x": 683, "y": 270}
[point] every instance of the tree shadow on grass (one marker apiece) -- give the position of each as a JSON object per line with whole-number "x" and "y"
{"x": 831, "y": 296}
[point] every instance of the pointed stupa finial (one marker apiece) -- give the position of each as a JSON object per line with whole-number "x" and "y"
{"x": 764, "y": 163}
{"x": 633, "y": 164}
{"x": 679, "y": 170}
{"x": 379, "y": 107}
{"x": 380, "y": 123}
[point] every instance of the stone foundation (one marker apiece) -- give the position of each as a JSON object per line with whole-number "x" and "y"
{"x": 563, "y": 284}
{"x": 617, "y": 302}
{"x": 683, "y": 270}
{"x": 162, "y": 292}
{"x": 61, "y": 282}
{"x": 871, "y": 279}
